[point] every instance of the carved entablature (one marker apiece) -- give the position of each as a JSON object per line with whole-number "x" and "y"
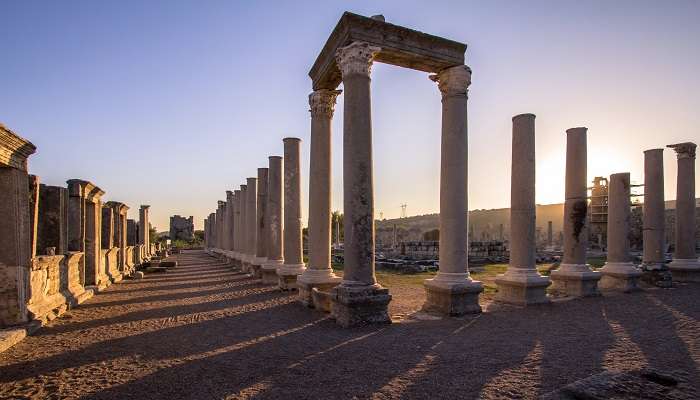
{"x": 398, "y": 46}
{"x": 684, "y": 150}
{"x": 229, "y": 195}
{"x": 322, "y": 102}
{"x": 453, "y": 81}
{"x": 84, "y": 189}
{"x": 14, "y": 150}
{"x": 118, "y": 207}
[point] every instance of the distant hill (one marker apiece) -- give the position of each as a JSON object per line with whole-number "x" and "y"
{"x": 482, "y": 223}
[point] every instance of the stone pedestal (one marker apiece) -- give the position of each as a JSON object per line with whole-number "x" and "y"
{"x": 685, "y": 266}
{"x": 319, "y": 273}
{"x": 452, "y": 291}
{"x": 654, "y": 268}
{"x": 618, "y": 272}
{"x": 293, "y": 261}
{"x": 360, "y": 305}
{"x": 574, "y": 277}
{"x": 522, "y": 284}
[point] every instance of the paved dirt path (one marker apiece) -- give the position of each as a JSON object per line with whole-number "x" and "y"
{"x": 204, "y": 331}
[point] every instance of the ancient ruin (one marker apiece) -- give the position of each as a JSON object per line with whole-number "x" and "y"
{"x": 181, "y": 228}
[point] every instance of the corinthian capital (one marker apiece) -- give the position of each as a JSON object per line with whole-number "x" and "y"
{"x": 322, "y": 102}
{"x": 453, "y": 81}
{"x": 356, "y": 58}
{"x": 684, "y": 150}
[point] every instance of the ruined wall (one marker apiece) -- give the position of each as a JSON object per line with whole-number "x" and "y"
{"x": 181, "y": 228}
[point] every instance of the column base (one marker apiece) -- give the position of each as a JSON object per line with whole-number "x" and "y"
{"x": 621, "y": 276}
{"x": 522, "y": 288}
{"x": 657, "y": 274}
{"x": 452, "y": 297}
{"x": 685, "y": 270}
{"x": 322, "y": 279}
{"x": 255, "y": 266}
{"x": 576, "y": 280}
{"x": 287, "y": 275}
{"x": 268, "y": 271}
{"x": 356, "y": 305}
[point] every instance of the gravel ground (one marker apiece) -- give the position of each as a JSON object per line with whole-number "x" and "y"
{"x": 204, "y": 331}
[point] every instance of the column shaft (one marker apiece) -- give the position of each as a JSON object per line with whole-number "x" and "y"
{"x": 261, "y": 226}
{"x": 654, "y": 208}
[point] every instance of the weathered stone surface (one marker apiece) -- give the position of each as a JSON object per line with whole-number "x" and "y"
{"x": 360, "y": 305}
{"x": 45, "y": 298}
{"x": 84, "y": 229}
{"x": 645, "y": 384}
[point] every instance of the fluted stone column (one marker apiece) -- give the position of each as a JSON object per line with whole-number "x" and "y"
{"x": 274, "y": 222}
{"x": 452, "y": 291}
{"x": 574, "y": 277}
{"x": 243, "y": 254}
{"x": 293, "y": 257}
{"x": 220, "y": 226}
{"x": 522, "y": 284}
{"x": 319, "y": 273}
{"x": 619, "y": 273}
{"x": 251, "y": 222}
{"x": 654, "y": 268}
{"x": 236, "y": 225}
{"x": 212, "y": 232}
{"x": 685, "y": 266}
{"x": 260, "y": 224}
{"x": 358, "y": 299}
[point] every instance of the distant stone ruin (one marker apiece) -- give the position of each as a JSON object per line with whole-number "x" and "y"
{"x": 181, "y": 228}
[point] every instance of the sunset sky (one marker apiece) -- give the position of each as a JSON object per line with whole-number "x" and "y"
{"x": 171, "y": 103}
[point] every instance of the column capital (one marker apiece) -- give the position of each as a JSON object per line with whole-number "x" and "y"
{"x": 453, "y": 81}
{"x": 322, "y": 102}
{"x": 684, "y": 150}
{"x": 356, "y": 58}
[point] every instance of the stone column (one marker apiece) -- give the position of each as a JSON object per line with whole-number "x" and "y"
{"x": 84, "y": 230}
{"x": 685, "y": 266}
{"x": 236, "y": 224}
{"x": 220, "y": 225}
{"x": 15, "y": 228}
{"x": 212, "y": 230}
{"x": 550, "y": 236}
{"x": 293, "y": 258}
{"x": 654, "y": 268}
{"x": 574, "y": 277}
{"x": 251, "y": 210}
{"x": 145, "y": 227}
{"x": 260, "y": 224}
{"x": 452, "y": 291}
{"x": 120, "y": 235}
{"x": 619, "y": 273}
{"x": 522, "y": 284}
{"x": 206, "y": 232}
{"x": 243, "y": 242}
{"x": 319, "y": 273}
{"x": 358, "y": 299}
{"x": 229, "y": 224}
{"x": 275, "y": 215}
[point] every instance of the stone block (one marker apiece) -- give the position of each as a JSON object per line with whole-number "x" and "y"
{"x": 360, "y": 305}
{"x": 453, "y": 299}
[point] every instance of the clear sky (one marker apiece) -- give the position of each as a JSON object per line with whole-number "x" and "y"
{"x": 170, "y": 103}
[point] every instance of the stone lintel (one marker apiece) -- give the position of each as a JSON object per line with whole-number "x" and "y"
{"x": 85, "y": 189}
{"x": 14, "y": 150}
{"x": 399, "y": 45}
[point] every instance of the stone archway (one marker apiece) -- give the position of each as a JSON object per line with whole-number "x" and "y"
{"x": 347, "y": 57}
